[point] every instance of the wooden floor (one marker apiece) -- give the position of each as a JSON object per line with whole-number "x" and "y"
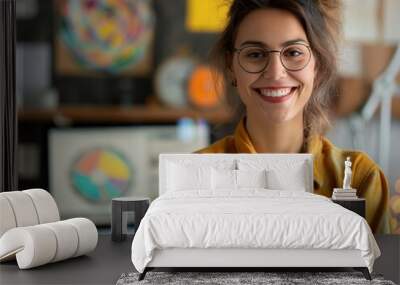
{"x": 111, "y": 259}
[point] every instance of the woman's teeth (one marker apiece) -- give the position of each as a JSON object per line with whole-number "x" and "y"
{"x": 275, "y": 92}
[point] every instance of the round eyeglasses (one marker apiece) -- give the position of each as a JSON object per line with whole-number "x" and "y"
{"x": 255, "y": 59}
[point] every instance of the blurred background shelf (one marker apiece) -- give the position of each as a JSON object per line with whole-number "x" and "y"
{"x": 117, "y": 114}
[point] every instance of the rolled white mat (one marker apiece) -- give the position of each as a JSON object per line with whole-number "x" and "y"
{"x": 67, "y": 240}
{"x": 87, "y": 234}
{"x": 40, "y": 244}
{"x": 45, "y": 205}
{"x": 23, "y": 208}
{"x": 33, "y": 246}
{"x": 7, "y": 218}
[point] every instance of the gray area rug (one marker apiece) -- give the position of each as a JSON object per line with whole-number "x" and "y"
{"x": 229, "y": 278}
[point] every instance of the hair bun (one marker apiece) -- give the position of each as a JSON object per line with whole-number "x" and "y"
{"x": 328, "y": 4}
{"x": 328, "y": 7}
{"x": 331, "y": 12}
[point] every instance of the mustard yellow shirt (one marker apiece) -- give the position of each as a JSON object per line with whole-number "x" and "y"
{"x": 367, "y": 177}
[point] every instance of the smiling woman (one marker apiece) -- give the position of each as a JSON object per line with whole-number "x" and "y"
{"x": 280, "y": 55}
{"x": 300, "y": 31}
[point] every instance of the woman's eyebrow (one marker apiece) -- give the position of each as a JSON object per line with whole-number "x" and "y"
{"x": 260, "y": 43}
{"x": 253, "y": 43}
{"x": 296, "y": 41}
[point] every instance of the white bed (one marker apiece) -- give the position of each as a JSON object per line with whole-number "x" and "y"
{"x": 199, "y": 224}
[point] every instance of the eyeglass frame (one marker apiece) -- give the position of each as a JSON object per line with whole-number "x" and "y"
{"x": 238, "y": 50}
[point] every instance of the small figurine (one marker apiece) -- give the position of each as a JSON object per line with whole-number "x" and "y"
{"x": 346, "y": 192}
{"x": 347, "y": 174}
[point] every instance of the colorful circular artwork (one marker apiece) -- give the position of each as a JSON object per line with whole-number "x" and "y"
{"x": 106, "y": 35}
{"x": 101, "y": 174}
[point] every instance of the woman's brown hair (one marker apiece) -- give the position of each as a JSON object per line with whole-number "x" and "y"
{"x": 319, "y": 21}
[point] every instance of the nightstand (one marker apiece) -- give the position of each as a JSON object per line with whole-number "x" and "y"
{"x": 121, "y": 207}
{"x": 356, "y": 205}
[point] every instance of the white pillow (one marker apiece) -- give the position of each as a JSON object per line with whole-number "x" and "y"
{"x": 294, "y": 179}
{"x": 188, "y": 177}
{"x": 223, "y": 179}
{"x": 251, "y": 178}
{"x": 234, "y": 179}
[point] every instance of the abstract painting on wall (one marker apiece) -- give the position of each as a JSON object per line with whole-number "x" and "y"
{"x": 101, "y": 173}
{"x": 103, "y": 36}
{"x": 90, "y": 166}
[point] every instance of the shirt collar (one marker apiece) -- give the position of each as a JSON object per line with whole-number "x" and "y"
{"x": 243, "y": 144}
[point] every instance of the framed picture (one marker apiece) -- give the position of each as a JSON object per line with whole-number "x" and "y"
{"x": 102, "y": 36}
{"x": 90, "y": 166}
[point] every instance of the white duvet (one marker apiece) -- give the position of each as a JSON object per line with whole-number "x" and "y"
{"x": 253, "y": 218}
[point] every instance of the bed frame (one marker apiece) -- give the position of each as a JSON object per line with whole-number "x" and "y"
{"x": 248, "y": 259}
{"x": 234, "y": 259}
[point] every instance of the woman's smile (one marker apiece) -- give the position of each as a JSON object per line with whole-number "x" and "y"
{"x": 275, "y": 95}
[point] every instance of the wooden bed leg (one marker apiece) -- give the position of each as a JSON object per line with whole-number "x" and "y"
{"x": 142, "y": 275}
{"x": 364, "y": 271}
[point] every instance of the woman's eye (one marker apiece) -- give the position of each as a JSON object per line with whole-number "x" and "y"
{"x": 293, "y": 53}
{"x": 255, "y": 55}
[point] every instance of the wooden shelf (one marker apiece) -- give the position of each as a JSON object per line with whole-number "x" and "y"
{"x": 116, "y": 114}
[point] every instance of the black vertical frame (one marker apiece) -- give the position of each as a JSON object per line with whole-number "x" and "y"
{"x": 8, "y": 110}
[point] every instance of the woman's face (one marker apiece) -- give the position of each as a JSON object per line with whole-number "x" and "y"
{"x": 276, "y": 94}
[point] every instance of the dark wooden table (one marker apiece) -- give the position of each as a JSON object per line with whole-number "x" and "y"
{"x": 110, "y": 259}
{"x": 356, "y": 205}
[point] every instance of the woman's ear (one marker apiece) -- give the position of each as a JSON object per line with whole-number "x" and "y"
{"x": 229, "y": 65}
{"x": 229, "y": 61}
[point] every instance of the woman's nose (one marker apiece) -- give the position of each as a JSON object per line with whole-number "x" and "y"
{"x": 274, "y": 70}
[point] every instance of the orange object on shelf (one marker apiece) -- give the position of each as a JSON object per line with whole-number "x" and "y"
{"x": 206, "y": 88}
